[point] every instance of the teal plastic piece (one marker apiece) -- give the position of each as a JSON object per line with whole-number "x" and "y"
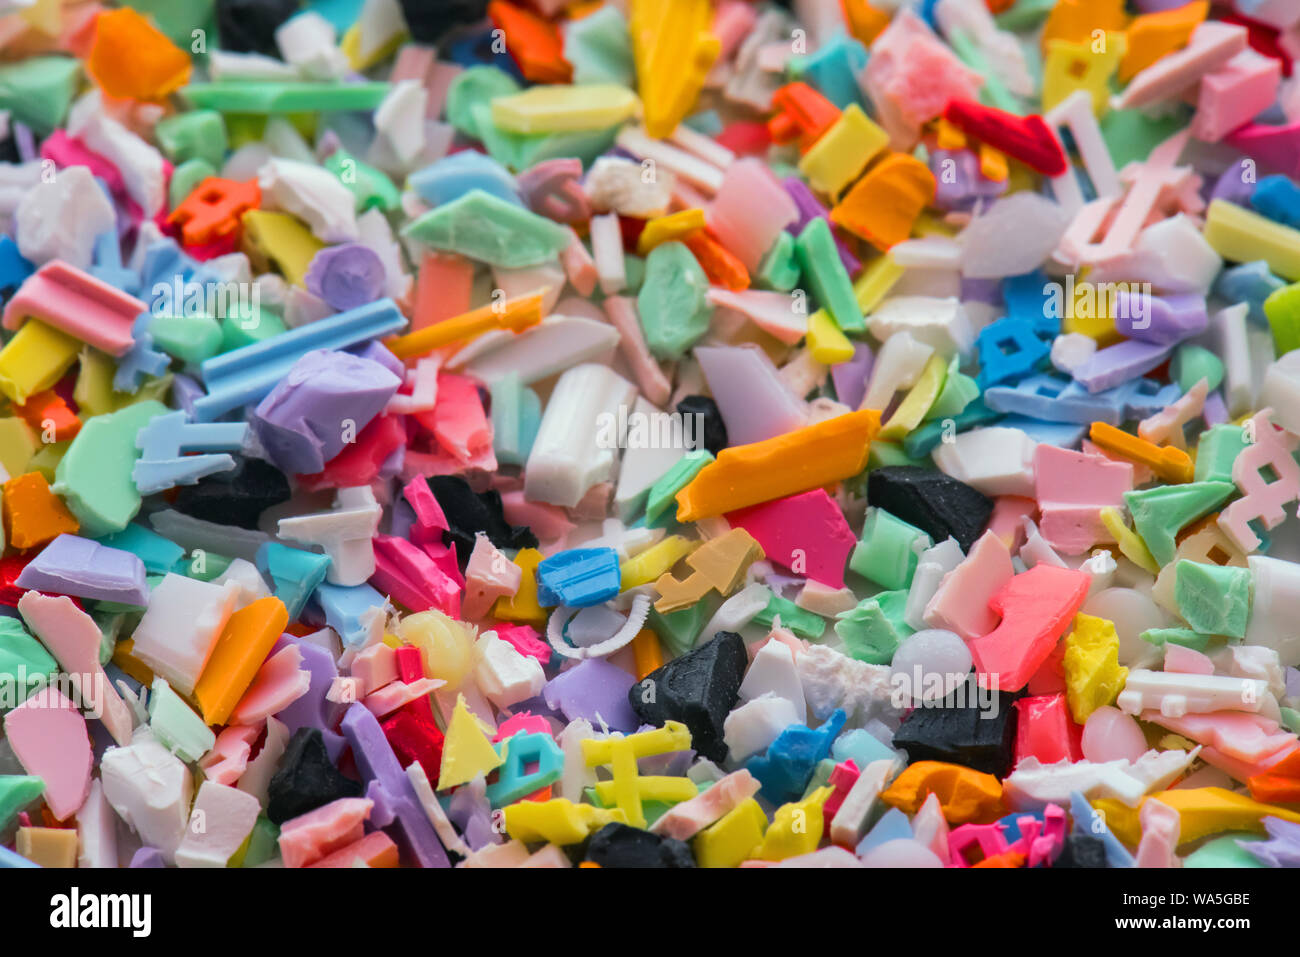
{"x": 1192, "y": 363}
{"x": 177, "y": 727}
{"x": 802, "y": 622}
{"x": 819, "y": 260}
{"x": 662, "y": 498}
{"x": 17, "y": 791}
{"x": 1024, "y": 14}
{"x": 873, "y": 630}
{"x": 882, "y": 454}
{"x": 483, "y": 227}
{"x": 198, "y": 134}
{"x": 293, "y": 573}
{"x": 186, "y": 177}
{"x": 861, "y": 747}
{"x": 516, "y": 417}
{"x": 1177, "y": 636}
{"x": 887, "y": 553}
{"x": 532, "y": 761}
{"x": 779, "y": 269}
{"x": 707, "y": 122}
{"x": 599, "y": 48}
{"x": 25, "y": 665}
{"x": 1160, "y": 513}
{"x": 38, "y": 91}
{"x": 1214, "y": 599}
{"x": 680, "y": 630}
{"x": 833, "y": 69}
{"x": 205, "y": 566}
{"x": 341, "y": 13}
{"x": 178, "y": 19}
{"x": 1226, "y": 851}
{"x": 673, "y": 302}
{"x": 275, "y": 96}
{"x": 372, "y": 188}
{"x": 160, "y": 555}
{"x": 478, "y": 85}
{"x": 920, "y": 442}
{"x": 1217, "y": 450}
{"x": 188, "y": 338}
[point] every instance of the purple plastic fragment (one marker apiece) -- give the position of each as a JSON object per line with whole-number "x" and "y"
{"x": 596, "y": 690}
{"x": 326, "y": 399}
{"x": 809, "y": 207}
{"x": 376, "y": 351}
{"x": 1233, "y": 187}
{"x": 958, "y": 183}
{"x": 753, "y": 399}
{"x": 850, "y": 378}
{"x": 346, "y": 276}
{"x": 1163, "y": 320}
{"x": 1117, "y": 364}
{"x": 72, "y": 565}
{"x": 1215, "y": 411}
{"x": 313, "y": 710}
{"x": 184, "y": 391}
{"x": 148, "y": 857}
{"x": 471, "y": 812}
{"x": 988, "y": 291}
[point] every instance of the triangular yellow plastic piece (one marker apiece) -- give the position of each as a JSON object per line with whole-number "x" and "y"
{"x": 466, "y": 750}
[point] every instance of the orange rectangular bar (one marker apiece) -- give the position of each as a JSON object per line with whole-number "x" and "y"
{"x": 1171, "y": 464}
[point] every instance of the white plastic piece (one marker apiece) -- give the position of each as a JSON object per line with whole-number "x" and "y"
{"x": 930, "y": 828}
{"x": 1013, "y": 237}
{"x": 939, "y": 323}
{"x": 373, "y": 230}
{"x": 1132, "y": 613}
{"x": 635, "y": 621}
{"x": 773, "y": 312}
{"x": 705, "y": 147}
{"x": 380, "y": 23}
{"x": 739, "y": 610}
{"x": 142, "y": 166}
{"x": 1110, "y": 734}
{"x": 750, "y": 728}
{"x": 1036, "y": 550}
{"x": 553, "y": 345}
{"x": 96, "y": 830}
{"x": 697, "y": 172}
{"x": 1253, "y": 661}
{"x": 754, "y": 402}
{"x": 1275, "y": 610}
{"x": 251, "y": 584}
{"x": 399, "y": 119}
{"x": 901, "y": 853}
{"x": 181, "y": 626}
{"x": 60, "y": 219}
{"x": 833, "y": 680}
{"x": 503, "y": 674}
{"x": 621, "y": 186}
{"x": 607, "y": 251}
{"x": 423, "y": 380}
{"x": 285, "y": 142}
{"x": 850, "y": 821}
{"x": 17, "y": 181}
{"x": 150, "y": 789}
{"x": 577, "y": 776}
{"x": 1071, "y": 350}
{"x": 929, "y": 665}
{"x": 314, "y": 195}
{"x": 1281, "y": 391}
{"x": 433, "y": 810}
{"x": 308, "y": 43}
{"x": 934, "y": 563}
{"x": 773, "y": 671}
{"x": 1175, "y": 695}
{"x": 1075, "y": 113}
{"x": 1172, "y": 254}
{"x": 229, "y": 65}
{"x": 644, "y": 463}
{"x": 257, "y": 776}
{"x": 995, "y": 460}
{"x": 346, "y": 533}
{"x": 221, "y": 819}
{"x": 568, "y": 456}
{"x": 1034, "y": 785}
{"x": 1101, "y": 567}
{"x": 824, "y": 600}
{"x": 898, "y": 366}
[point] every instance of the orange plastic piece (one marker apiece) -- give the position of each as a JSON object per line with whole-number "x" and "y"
{"x": 717, "y": 565}
{"x": 589, "y": 864}
{"x": 515, "y": 315}
{"x": 948, "y": 135}
{"x": 214, "y": 209}
{"x": 130, "y": 664}
{"x": 801, "y": 113}
{"x": 33, "y": 515}
{"x": 1075, "y": 20}
{"x": 965, "y": 795}
{"x": 48, "y": 414}
{"x": 865, "y": 21}
{"x": 1280, "y": 784}
{"x": 718, "y": 262}
{"x": 131, "y": 59}
{"x": 443, "y": 290}
{"x": 798, "y": 461}
{"x": 1006, "y": 859}
{"x": 993, "y": 164}
{"x": 534, "y": 44}
{"x": 244, "y": 644}
{"x": 883, "y": 206}
{"x": 1154, "y": 35}
{"x": 647, "y": 653}
{"x": 1168, "y": 463}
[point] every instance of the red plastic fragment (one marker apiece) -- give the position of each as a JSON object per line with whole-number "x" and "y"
{"x": 1026, "y": 138}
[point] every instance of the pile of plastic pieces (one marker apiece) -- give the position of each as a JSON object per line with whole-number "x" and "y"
{"x": 650, "y": 433}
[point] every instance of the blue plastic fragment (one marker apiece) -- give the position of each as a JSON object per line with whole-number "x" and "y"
{"x": 833, "y": 69}
{"x": 578, "y": 578}
{"x": 1092, "y": 823}
{"x": 861, "y": 747}
{"x": 1008, "y": 349}
{"x": 784, "y": 771}
{"x": 1050, "y": 397}
{"x": 1250, "y": 283}
{"x": 452, "y": 177}
{"x": 350, "y": 610}
{"x": 162, "y": 466}
{"x": 1065, "y": 434}
{"x": 1026, "y": 297}
{"x": 160, "y": 555}
{"x": 14, "y": 267}
{"x": 108, "y": 264}
{"x": 892, "y": 826}
{"x": 141, "y": 360}
{"x": 1278, "y": 198}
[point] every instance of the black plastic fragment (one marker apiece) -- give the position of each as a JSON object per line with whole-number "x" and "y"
{"x": 235, "y": 498}
{"x": 936, "y": 503}
{"x": 306, "y": 779}
{"x": 620, "y": 845}
{"x": 714, "y": 434}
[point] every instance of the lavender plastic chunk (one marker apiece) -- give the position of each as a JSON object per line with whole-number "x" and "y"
{"x": 1117, "y": 364}
{"x": 595, "y": 690}
{"x": 72, "y": 565}
{"x": 346, "y": 276}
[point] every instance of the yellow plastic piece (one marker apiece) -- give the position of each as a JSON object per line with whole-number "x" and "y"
{"x": 522, "y": 606}
{"x": 628, "y": 789}
{"x": 1202, "y": 812}
{"x": 876, "y": 280}
{"x": 279, "y": 241}
{"x": 35, "y": 359}
{"x": 656, "y": 560}
{"x": 1090, "y": 313}
{"x": 843, "y": 151}
{"x": 1093, "y": 674}
{"x": 911, "y": 411}
{"x": 446, "y": 645}
{"x": 673, "y": 51}
{"x": 48, "y": 846}
{"x": 826, "y": 342}
{"x": 664, "y": 229}
{"x": 556, "y": 108}
{"x": 993, "y": 163}
{"x": 557, "y": 821}
{"x": 796, "y": 828}
{"x": 45, "y": 16}
{"x": 733, "y": 838}
{"x": 247, "y": 639}
{"x": 949, "y": 137}
{"x": 1243, "y": 236}
{"x": 93, "y": 391}
{"x": 351, "y": 47}
{"x": 466, "y": 751}
{"x": 1130, "y": 543}
{"x": 1083, "y": 65}
{"x": 18, "y": 443}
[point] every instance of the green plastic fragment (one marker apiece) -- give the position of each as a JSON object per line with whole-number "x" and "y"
{"x": 873, "y": 630}
{"x": 679, "y": 630}
{"x": 819, "y": 260}
{"x": 1290, "y": 719}
{"x": 802, "y": 622}
{"x": 633, "y": 274}
{"x": 159, "y": 554}
{"x": 1214, "y": 599}
{"x": 516, "y": 417}
{"x": 882, "y": 454}
{"x": 371, "y": 187}
{"x": 1177, "y": 636}
{"x": 204, "y": 566}
{"x": 477, "y": 85}
{"x": 260, "y": 846}
{"x": 47, "y": 458}
{"x": 273, "y": 96}
{"x": 1217, "y": 450}
{"x": 17, "y": 791}
{"x": 1131, "y": 135}
{"x": 94, "y": 478}
{"x": 1225, "y": 851}
{"x": 959, "y": 391}
{"x": 887, "y": 553}
{"x": 177, "y": 19}
{"x": 599, "y": 48}
{"x": 1191, "y": 363}
{"x": 1282, "y": 309}
{"x": 481, "y": 226}
{"x": 821, "y": 777}
{"x": 178, "y": 728}
{"x": 185, "y": 178}
{"x": 25, "y": 665}
{"x": 110, "y": 624}
{"x": 1024, "y": 14}
{"x": 239, "y": 331}
{"x": 1160, "y": 513}
{"x": 779, "y": 269}
{"x": 188, "y": 338}
{"x": 673, "y": 302}
{"x": 38, "y": 91}
{"x": 198, "y": 134}
{"x": 663, "y": 494}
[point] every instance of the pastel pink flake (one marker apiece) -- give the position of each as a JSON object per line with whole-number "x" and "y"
{"x": 525, "y": 722}
{"x": 683, "y": 821}
{"x": 806, "y": 533}
{"x": 622, "y": 315}
{"x": 1211, "y": 46}
{"x": 749, "y": 212}
{"x": 548, "y": 522}
{"x": 1186, "y": 661}
{"x": 374, "y": 667}
{"x": 310, "y": 837}
{"x": 458, "y": 421}
{"x": 1262, "y": 499}
{"x": 397, "y": 694}
{"x": 1235, "y": 94}
{"x": 48, "y": 736}
{"x": 374, "y": 847}
{"x": 1246, "y": 737}
{"x": 773, "y": 312}
{"x": 1072, "y": 489}
{"x": 1166, "y": 426}
{"x": 488, "y": 576}
{"x": 229, "y": 755}
{"x": 279, "y": 683}
{"x": 550, "y": 856}
{"x": 962, "y": 602}
{"x": 1008, "y": 519}
{"x": 579, "y": 267}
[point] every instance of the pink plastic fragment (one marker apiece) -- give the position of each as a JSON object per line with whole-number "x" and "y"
{"x": 806, "y": 533}
{"x": 228, "y": 758}
{"x": 48, "y": 736}
{"x": 312, "y": 836}
{"x": 279, "y": 683}
{"x": 1072, "y": 490}
{"x": 961, "y": 604}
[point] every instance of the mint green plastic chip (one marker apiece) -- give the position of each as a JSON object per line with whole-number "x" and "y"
{"x": 887, "y": 553}
{"x": 25, "y": 665}
{"x": 178, "y": 728}
{"x": 38, "y": 91}
{"x": 188, "y": 338}
{"x": 198, "y": 134}
{"x": 663, "y": 494}
{"x": 481, "y": 226}
{"x": 1214, "y": 599}
{"x": 873, "y": 630}
{"x": 673, "y": 302}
